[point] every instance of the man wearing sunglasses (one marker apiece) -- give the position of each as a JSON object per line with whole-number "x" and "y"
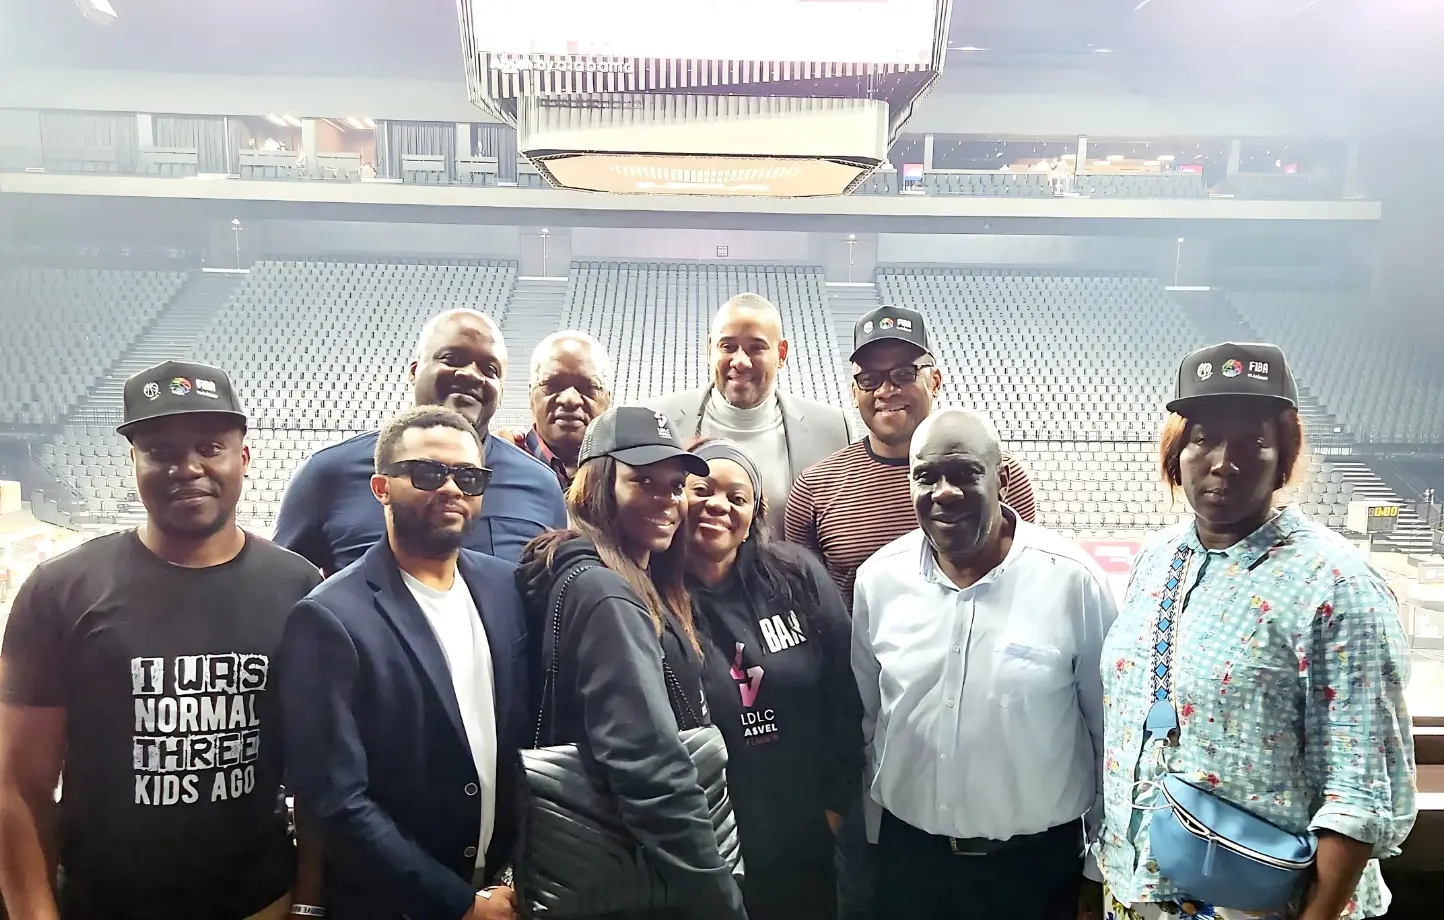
{"x": 859, "y": 500}
{"x": 403, "y": 686}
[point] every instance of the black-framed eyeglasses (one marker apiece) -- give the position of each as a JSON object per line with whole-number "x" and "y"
{"x": 430, "y": 475}
{"x": 868, "y": 381}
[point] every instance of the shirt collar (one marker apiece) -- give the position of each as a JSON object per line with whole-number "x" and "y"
{"x": 1248, "y": 551}
{"x": 539, "y": 449}
{"x": 930, "y": 571}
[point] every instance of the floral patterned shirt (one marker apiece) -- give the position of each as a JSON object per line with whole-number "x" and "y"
{"x": 1289, "y": 686}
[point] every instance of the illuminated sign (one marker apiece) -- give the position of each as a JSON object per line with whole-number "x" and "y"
{"x": 844, "y": 31}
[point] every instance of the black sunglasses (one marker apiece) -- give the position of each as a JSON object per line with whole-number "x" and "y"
{"x": 868, "y": 381}
{"x": 430, "y": 475}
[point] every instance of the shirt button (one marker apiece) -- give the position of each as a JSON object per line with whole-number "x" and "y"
{"x": 957, "y": 648}
{"x": 471, "y": 789}
{"x": 950, "y": 704}
{"x": 469, "y": 852}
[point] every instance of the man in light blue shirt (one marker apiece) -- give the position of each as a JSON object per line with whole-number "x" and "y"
{"x": 976, "y": 643}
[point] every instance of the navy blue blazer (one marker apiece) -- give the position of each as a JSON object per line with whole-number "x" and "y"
{"x": 376, "y": 753}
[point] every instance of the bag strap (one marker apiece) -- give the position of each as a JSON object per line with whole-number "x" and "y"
{"x": 551, "y": 646}
{"x": 676, "y": 696}
{"x": 1165, "y": 627}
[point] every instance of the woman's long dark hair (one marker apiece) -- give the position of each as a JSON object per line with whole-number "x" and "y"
{"x": 771, "y": 569}
{"x": 592, "y": 506}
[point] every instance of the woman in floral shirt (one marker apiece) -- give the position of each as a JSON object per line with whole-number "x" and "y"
{"x": 1285, "y": 695}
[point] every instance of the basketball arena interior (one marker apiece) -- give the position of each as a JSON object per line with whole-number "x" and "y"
{"x": 1075, "y": 192}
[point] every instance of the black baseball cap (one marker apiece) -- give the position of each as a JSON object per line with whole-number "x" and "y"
{"x": 178, "y": 388}
{"x": 898, "y": 323}
{"x": 637, "y": 437}
{"x": 1253, "y": 369}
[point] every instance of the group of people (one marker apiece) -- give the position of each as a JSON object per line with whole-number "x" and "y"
{"x": 932, "y": 706}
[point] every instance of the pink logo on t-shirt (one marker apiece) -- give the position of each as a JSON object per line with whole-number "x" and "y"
{"x": 748, "y": 683}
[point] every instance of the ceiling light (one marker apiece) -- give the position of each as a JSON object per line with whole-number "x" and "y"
{"x": 276, "y": 120}
{"x": 969, "y": 48}
{"x": 1166, "y": 158}
{"x": 1102, "y": 50}
{"x": 97, "y": 11}
{"x": 1114, "y": 157}
{"x": 292, "y": 120}
{"x": 355, "y": 123}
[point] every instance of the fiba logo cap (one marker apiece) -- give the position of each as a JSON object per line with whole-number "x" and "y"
{"x": 896, "y": 323}
{"x": 178, "y": 388}
{"x": 1248, "y": 369}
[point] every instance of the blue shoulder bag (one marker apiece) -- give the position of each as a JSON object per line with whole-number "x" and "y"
{"x": 1212, "y": 850}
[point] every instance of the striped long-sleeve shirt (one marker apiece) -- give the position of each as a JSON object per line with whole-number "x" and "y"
{"x": 852, "y": 504}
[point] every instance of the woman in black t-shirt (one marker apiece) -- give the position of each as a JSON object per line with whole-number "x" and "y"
{"x": 779, "y": 683}
{"x": 615, "y": 583}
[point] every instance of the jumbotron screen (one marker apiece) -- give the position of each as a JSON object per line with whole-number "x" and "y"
{"x": 834, "y": 31}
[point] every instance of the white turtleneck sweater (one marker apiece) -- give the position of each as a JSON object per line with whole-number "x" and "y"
{"x": 759, "y": 430}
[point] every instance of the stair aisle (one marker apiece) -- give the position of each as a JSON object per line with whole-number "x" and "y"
{"x": 172, "y": 336}
{"x": 1217, "y": 321}
{"x": 847, "y": 302}
{"x": 533, "y": 312}
{"x": 1410, "y": 535}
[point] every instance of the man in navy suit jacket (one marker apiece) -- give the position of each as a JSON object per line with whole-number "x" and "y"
{"x": 402, "y": 683}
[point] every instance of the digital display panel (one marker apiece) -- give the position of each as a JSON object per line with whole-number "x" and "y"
{"x": 828, "y": 31}
{"x": 703, "y": 175}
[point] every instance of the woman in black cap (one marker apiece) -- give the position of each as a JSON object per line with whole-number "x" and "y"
{"x": 1265, "y": 769}
{"x": 614, "y": 581}
{"x": 780, "y": 686}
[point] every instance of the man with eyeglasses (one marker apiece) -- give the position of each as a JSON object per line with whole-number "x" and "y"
{"x": 571, "y": 384}
{"x": 859, "y": 500}
{"x": 402, "y": 684}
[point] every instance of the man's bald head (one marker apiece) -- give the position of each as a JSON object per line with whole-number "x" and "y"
{"x": 953, "y": 472}
{"x": 460, "y": 363}
{"x": 958, "y": 427}
{"x": 463, "y": 316}
{"x": 747, "y": 349}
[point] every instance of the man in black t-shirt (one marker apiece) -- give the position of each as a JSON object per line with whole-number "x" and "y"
{"x": 138, "y": 664}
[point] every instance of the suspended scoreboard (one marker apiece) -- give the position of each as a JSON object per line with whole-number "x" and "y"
{"x": 1372, "y": 517}
{"x": 780, "y": 98}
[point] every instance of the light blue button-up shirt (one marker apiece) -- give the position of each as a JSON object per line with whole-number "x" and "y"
{"x": 982, "y": 706}
{"x": 1289, "y": 684}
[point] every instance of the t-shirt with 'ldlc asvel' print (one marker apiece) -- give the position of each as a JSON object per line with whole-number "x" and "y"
{"x": 173, "y": 764}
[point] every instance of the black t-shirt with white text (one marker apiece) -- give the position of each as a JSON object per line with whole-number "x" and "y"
{"x": 173, "y": 762}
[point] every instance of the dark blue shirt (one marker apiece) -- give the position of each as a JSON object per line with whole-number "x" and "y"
{"x": 329, "y": 515}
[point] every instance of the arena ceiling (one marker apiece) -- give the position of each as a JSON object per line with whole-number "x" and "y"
{"x": 1190, "y": 45}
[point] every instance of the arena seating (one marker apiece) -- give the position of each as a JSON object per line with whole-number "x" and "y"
{"x": 1380, "y": 377}
{"x": 318, "y": 352}
{"x": 988, "y": 184}
{"x": 60, "y": 328}
{"x": 1145, "y": 185}
{"x": 1073, "y": 368}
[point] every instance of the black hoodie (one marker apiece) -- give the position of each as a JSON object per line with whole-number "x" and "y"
{"x": 612, "y": 701}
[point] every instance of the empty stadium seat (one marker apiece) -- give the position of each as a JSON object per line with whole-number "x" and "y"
{"x": 1379, "y": 375}
{"x": 64, "y": 327}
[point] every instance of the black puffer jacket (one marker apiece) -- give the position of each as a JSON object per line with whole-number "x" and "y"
{"x": 612, "y": 702}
